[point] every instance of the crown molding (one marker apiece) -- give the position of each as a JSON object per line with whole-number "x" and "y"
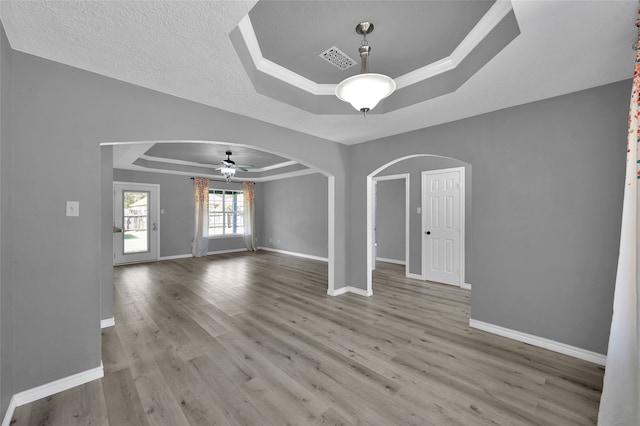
{"x": 483, "y": 28}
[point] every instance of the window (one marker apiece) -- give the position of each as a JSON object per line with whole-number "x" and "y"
{"x": 225, "y": 212}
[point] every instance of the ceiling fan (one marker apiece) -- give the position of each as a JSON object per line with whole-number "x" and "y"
{"x": 228, "y": 167}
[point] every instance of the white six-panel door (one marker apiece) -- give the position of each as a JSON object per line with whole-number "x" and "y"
{"x": 442, "y": 225}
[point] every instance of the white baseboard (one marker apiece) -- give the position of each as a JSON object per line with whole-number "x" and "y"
{"x": 226, "y": 251}
{"x": 349, "y": 289}
{"x": 291, "y": 253}
{"x": 109, "y": 322}
{"x": 384, "y": 259}
{"x": 177, "y": 256}
{"x": 465, "y": 286}
{"x": 541, "y": 342}
{"x": 8, "y": 416}
{"x": 184, "y": 256}
{"x": 48, "y": 389}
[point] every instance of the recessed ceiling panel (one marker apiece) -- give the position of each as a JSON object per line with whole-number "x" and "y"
{"x": 213, "y": 154}
{"x": 407, "y": 34}
{"x": 495, "y": 29}
{"x": 190, "y": 49}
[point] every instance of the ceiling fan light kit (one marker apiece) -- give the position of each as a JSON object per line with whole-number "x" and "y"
{"x": 365, "y": 90}
{"x": 228, "y": 167}
{"x": 228, "y": 173}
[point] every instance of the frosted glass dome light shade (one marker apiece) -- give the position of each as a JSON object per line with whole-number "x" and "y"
{"x": 364, "y": 91}
{"x": 228, "y": 172}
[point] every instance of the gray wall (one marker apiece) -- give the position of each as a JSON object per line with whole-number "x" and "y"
{"x": 59, "y": 117}
{"x": 176, "y": 199}
{"x": 415, "y": 167}
{"x": 547, "y": 199}
{"x": 7, "y": 388}
{"x": 390, "y": 218}
{"x": 292, "y": 214}
{"x": 106, "y": 232}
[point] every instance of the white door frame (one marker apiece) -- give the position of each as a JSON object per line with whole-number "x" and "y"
{"x": 407, "y": 188}
{"x": 424, "y": 174}
{"x": 156, "y": 213}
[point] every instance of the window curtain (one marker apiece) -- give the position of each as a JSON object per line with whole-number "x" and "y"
{"x": 249, "y": 216}
{"x": 200, "y": 245}
{"x": 620, "y": 401}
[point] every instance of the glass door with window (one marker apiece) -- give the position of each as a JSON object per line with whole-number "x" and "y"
{"x": 135, "y": 230}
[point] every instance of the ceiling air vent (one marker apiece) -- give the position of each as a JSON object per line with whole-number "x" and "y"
{"x": 337, "y": 58}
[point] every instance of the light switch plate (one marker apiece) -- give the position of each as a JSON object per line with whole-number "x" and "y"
{"x": 73, "y": 208}
{"x": 419, "y": 210}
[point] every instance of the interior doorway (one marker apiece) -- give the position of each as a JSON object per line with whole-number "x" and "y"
{"x": 413, "y": 166}
{"x": 136, "y": 222}
{"x": 391, "y": 221}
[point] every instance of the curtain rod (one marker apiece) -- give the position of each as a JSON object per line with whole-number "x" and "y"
{"x": 222, "y": 180}
{"x": 214, "y": 180}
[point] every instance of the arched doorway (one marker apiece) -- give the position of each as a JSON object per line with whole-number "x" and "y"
{"x": 220, "y": 145}
{"x": 413, "y": 166}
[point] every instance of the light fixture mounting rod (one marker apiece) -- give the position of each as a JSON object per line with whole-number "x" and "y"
{"x": 364, "y": 58}
{"x": 364, "y": 28}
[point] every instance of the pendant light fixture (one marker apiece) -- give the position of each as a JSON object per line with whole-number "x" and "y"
{"x": 365, "y": 90}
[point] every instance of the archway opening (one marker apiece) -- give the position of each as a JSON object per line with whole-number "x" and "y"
{"x": 411, "y": 168}
{"x": 330, "y": 182}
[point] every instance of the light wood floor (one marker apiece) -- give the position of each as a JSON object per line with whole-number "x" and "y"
{"x": 253, "y": 339}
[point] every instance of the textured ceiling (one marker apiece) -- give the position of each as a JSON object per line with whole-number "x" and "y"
{"x": 183, "y": 48}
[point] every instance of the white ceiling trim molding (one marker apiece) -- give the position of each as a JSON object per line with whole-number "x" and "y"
{"x": 277, "y": 71}
{"x": 175, "y": 161}
{"x": 486, "y": 24}
{"x": 219, "y": 177}
{"x": 197, "y": 164}
{"x": 424, "y": 73}
{"x": 127, "y": 153}
{"x": 274, "y": 166}
{"x": 489, "y": 21}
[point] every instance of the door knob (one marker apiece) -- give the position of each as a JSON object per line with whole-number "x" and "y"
{"x": 427, "y": 232}
{"x": 155, "y": 228}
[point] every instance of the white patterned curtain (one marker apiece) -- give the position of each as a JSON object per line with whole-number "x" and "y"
{"x": 200, "y": 245}
{"x": 620, "y": 401}
{"x": 249, "y": 218}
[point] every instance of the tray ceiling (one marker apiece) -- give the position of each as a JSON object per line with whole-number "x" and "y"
{"x": 185, "y": 49}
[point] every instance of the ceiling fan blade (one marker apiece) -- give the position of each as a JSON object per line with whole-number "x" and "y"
{"x": 242, "y": 169}
{"x": 246, "y": 166}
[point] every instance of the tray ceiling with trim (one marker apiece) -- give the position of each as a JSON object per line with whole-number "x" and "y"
{"x": 450, "y": 59}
